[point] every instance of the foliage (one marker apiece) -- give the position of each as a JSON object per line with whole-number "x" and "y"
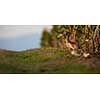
{"x": 45, "y": 39}
{"x": 84, "y": 37}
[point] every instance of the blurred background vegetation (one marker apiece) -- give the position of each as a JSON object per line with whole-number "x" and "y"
{"x": 84, "y": 37}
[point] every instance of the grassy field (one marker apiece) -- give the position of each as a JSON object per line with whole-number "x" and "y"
{"x": 46, "y": 60}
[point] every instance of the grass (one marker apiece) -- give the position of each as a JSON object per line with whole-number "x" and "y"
{"x": 45, "y": 60}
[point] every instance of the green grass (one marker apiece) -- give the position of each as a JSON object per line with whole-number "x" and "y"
{"x": 76, "y": 68}
{"x": 45, "y": 60}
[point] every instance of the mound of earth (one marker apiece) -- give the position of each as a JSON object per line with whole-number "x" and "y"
{"x": 46, "y": 60}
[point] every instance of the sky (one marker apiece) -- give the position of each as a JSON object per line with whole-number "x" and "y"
{"x": 21, "y": 37}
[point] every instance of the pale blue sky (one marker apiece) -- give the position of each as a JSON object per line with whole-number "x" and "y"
{"x": 21, "y": 37}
